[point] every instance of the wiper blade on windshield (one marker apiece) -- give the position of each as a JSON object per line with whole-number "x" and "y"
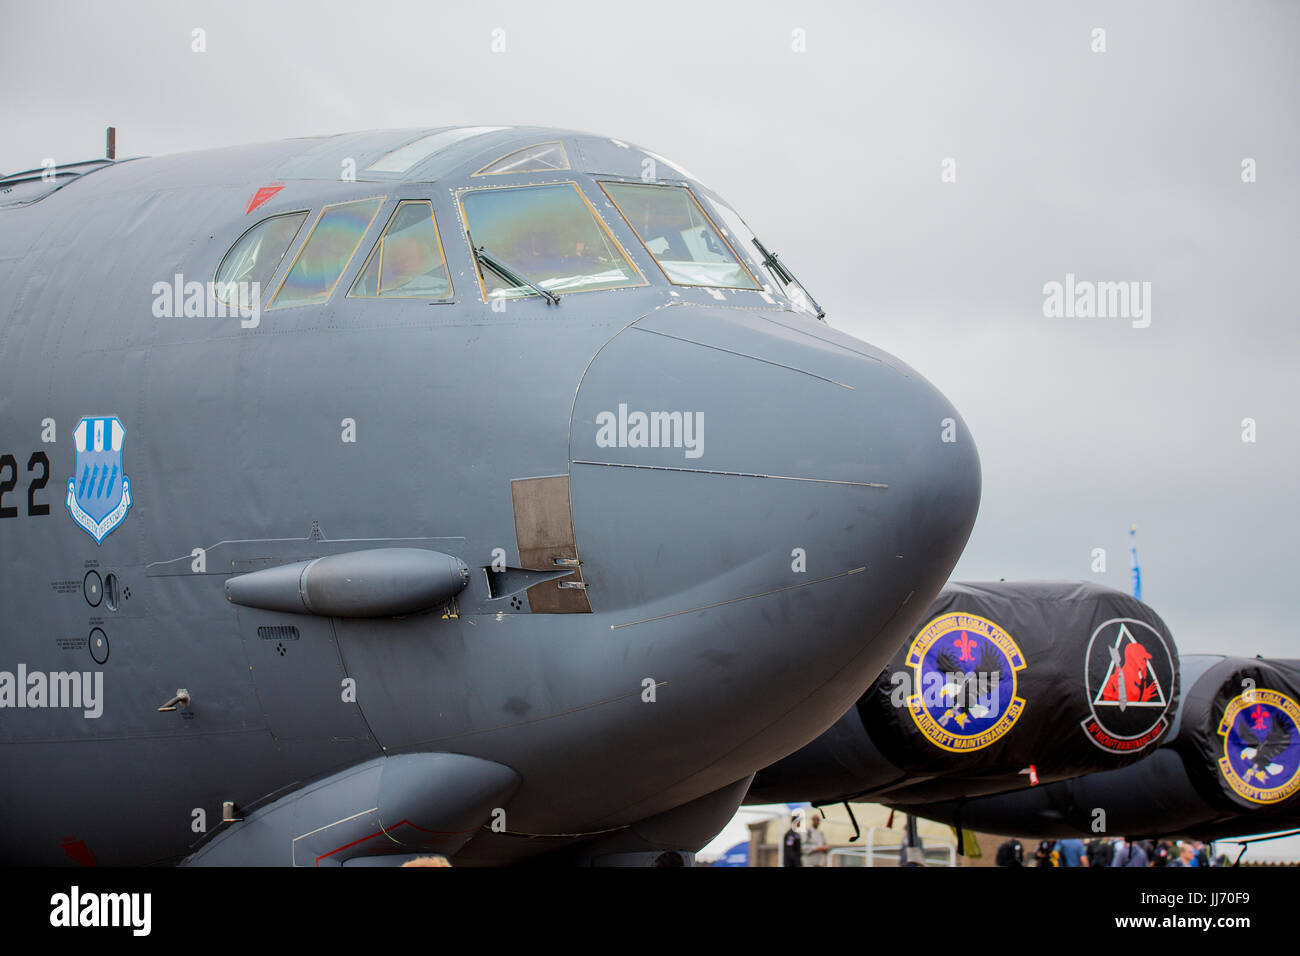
{"x": 505, "y": 272}
{"x": 786, "y": 276}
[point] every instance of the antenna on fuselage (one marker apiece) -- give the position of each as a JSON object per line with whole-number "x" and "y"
{"x": 110, "y": 147}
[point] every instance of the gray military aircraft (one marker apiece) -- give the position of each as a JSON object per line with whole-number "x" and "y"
{"x": 486, "y": 491}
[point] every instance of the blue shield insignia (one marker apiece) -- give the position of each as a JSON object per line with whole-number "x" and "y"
{"x": 99, "y": 494}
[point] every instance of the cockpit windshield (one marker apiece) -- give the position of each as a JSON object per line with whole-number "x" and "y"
{"x": 548, "y": 234}
{"x": 762, "y": 263}
{"x": 681, "y": 237}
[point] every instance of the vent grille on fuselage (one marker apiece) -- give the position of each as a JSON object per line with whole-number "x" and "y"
{"x": 278, "y": 632}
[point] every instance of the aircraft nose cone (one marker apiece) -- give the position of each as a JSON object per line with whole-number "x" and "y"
{"x": 757, "y": 455}
{"x": 763, "y": 509}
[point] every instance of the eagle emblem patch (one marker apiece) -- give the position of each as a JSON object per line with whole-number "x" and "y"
{"x": 1261, "y": 748}
{"x": 964, "y": 671}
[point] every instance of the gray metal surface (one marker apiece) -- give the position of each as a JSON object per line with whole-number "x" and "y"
{"x": 694, "y": 653}
{"x": 383, "y": 582}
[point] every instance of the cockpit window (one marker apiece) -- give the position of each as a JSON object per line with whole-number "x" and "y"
{"x": 406, "y": 158}
{"x": 742, "y": 240}
{"x": 543, "y": 157}
{"x": 326, "y": 253}
{"x": 255, "y": 257}
{"x": 407, "y": 261}
{"x": 548, "y": 234}
{"x": 680, "y": 236}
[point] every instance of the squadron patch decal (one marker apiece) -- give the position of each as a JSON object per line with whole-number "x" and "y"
{"x": 99, "y": 493}
{"x": 1261, "y": 746}
{"x": 964, "y": 671}
{"x": 1129, "y": 674}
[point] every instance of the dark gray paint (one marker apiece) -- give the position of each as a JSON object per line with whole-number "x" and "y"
{"x": 383, "y": 582}
{"x": 233, "y": 445}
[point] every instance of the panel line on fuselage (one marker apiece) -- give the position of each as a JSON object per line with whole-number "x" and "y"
{"x": 719, "y": 348}
{"x": 729, "y": 474}
{"x": 747, "y": 597}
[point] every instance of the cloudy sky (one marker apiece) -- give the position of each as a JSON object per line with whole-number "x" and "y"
{"x": 828, "y": 126}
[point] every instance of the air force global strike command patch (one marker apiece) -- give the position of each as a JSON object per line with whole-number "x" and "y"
{"x": 1129, "y": 674}
{"x": 1261, "y": 746}
{"x": 964, "y": 671}
{"x": 99, "y": 494}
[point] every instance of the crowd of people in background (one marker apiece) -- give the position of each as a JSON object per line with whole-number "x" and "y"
{"x": 1109, "y": 852}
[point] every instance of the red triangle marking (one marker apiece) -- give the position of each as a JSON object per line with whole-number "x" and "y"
{"x": 262, "y": 195}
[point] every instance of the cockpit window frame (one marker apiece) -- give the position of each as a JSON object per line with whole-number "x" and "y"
{"x": 374, "y": 250}
{"x": 271, "y": 303}
{"x": 740, "y": 260}
{"x": 305, "y": 213}
{"x": 459, "y": 196}
{"x": 567, "y": 167}
{"x": 411, "y": 154}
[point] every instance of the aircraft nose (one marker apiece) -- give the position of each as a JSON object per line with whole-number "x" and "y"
{"x": 763, "y": 508}
{"x": 718, "y": 455}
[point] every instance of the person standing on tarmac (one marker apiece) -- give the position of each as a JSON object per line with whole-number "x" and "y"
{"x": 792, "y": 844}
{"x": 1072, "y": 852}
{"x": 1100, "y": 853}
{"x": 1130, "y": 853}
{"x": 1011, "y": 853}
{"x": 815, "y": 849}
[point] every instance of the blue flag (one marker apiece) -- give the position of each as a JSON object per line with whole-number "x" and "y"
{"x": 1137, "y": 571}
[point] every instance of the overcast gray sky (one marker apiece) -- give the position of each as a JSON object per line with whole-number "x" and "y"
{"x": 1123, "y": 165}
